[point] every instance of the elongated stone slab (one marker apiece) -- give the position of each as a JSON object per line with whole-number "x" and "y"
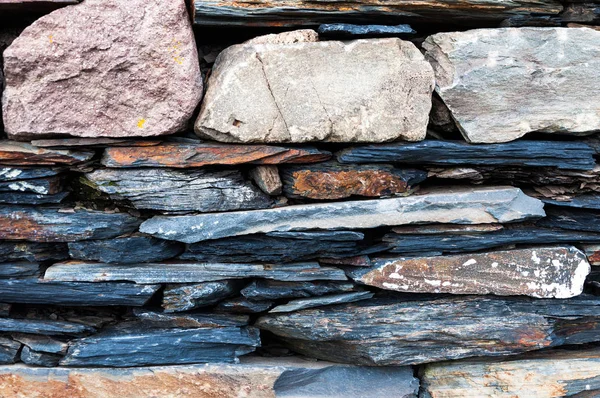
{"x": 387, "y": 332}
{"x": 22, "y": 154}
{"x": 560, "y": 154}
{"x": 34, "y": 5}
{"x": 335, "y": 181}
{"x": 274, "y": 290}
{"x": 136, "y": 345}
{"x": 179, "y": 190}
{"x": 36, "y": 358}
{"x": 572, "y": 219}
{"x": 459, "y": 206}
{"x": 188, "y": 297}
{"x": 54, "y": 225}
{"x": 26, "y": 173}
{"x": 542, "y": 374}
{"x": 43, "y": 186}
{"x": 19, "y": 269}
{"x": 66, "y": 143}
{"x": 312, "y": 302}
{"x": 256, "y": 378}
{"x": 125, "y": 250}
{"x": 345, "y": 31}
{"x": 542, "y": 272}
{"x": 306, "y": 13}
{"x": 25, "y": 198}
{"x": 184, "y": 155}
{"x": 549, "y": 70}
{"x": 33, "y": 251}
{"x": 157, "y": 319}
{"x": 187, "y": 272}
{"x": 35, "y": 291}
{"x": 241, "y": 305}
{"x": 43, "y": 327}
{"x": 9, "y": 350}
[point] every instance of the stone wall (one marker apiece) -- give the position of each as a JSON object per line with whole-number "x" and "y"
{"x": 300, "y": 199}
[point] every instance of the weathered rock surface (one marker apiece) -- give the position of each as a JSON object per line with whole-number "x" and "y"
{"x": 19, "y": 269}
{"x": 552, "y": 373}
{"x": 593, "y": 253}
{"x": 241, "y": 305}
{"x": 63, "y": 72}
{"x": 350, "y": 31}
{"x": 44, "y": 186}
{"x": 31, "y": 357}
{"x": 41, "y": 343}
{"x": 179, "y": 190}
{"x": 560, "y": 154}
{"x": 27, "y": 173}
{"x": 22, "y": 154}
{"x": 51, "y": 328}
{"x": 571, "y": 219}
{"x": 25, "y": 198}
{"x": 312, "y": 302}
{"x": 188, "y": 272}
{"x": 543, "y": 272}
{"x": 55, "y": 225}
{"x": 336, "y": 181}
{"x": 302, "y": 12}
{"x": 102, "y": 142}
{"x": 134, "y": 344}
{"x": 9, "y": 350}
{"x": 388, "y": 332}
{"x": 184, "y": 155}
{"x": 459, "y": 206}
{"x": 267, "y": 179}
{"x": 34, "y": 5}
{"x": 546, "y": 68}
{"x": 317, "y": 91}
{"x": 125, "y": 250}
{"x": 188, "y": 297}
{"x": 274, "y": 290}
{"x": 33, "y": 251}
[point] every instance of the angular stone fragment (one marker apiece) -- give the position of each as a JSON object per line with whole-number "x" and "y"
{"x": 41, "y": 343}
{"x": 179, "y": 190}
{"x": 189, "y": 320}
{"x": 188, "y": 272}
{"x": 571, "y": 219}
{"x": 335, "y": 181}
{"x": 543, "y": 272}
{"x": 241, "y": 305}
{"x": 25, "y": 198}
{"x": 44, "y": 327}
{"x": 185, "y": 155}
{"x": 36, "y": 291}
{"x": 458, "y": 206}
{"x": 274, "y": 290}
{"x": 33, "y": 251}
{"x": 178, "y": 298}
{"x": 304, "y": 92}
{"x": 312, "y": 302}
{"x": 387, "y": 332}
{"x": 19, "y": 269}
{"x": 27, "y": 173}
{"x": 9, "y": 350}
{"x": 267, "y": 178}
{"x": 63, "y": 71}
{"x": 42, "y": 186}
{"x": 593, "y": 253}
{"x": 135, "y": 345}
{"x": 31, "y": 357}
{"x": 548, "y": 69}
{"x": 586, "y": 201}
{"x": 560, "y": 154}
{"x": 547, "y": 374}
{"x": 22, "y": 154}
{"x": 350, "y": 31}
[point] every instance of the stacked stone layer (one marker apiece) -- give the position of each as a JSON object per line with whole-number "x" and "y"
{"x": 417, "y": 214}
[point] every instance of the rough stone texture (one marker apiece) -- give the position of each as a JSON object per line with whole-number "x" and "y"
{"x": 333, "y": 299}
{"x": 42, "y": 186}
{"x": 55, "y": 225}
{"x": 290, "y": 37}
{"x": 25, "y": 198}
{"x": 349, "y": 31}
{"x": 458, "y": 206}
{"x": 548, "y": 69}
{"x": 274, "y": 290}
{"x": 103, "y": 69}
{"x": 303, "y": 92}
{"x": 31, "y": 357}
{"x": 179, "y": 190}
{"x": 173, "y": 272}
{"x": 34, "y": 5}
{"x": 9, "y": 350}
{"x": 389, "y": 332}
{"x": 593, "y": 253}
{"x": 549, "y": 374}
{"x": 19, "y": 269}
{"x": 33, "y": 251}
{"x": 44, "y": 327}
{"x": 188, "y": 297}
{"x": 125, "y": 250}
{"x": 267, "y": 179}
{"x": 27, "y": 173}
{"x": 41, "y": 343}
{"x": 571, "y": 219}
{"x": 241, "y": 305}
{"x": 23, "y": 154}
{"x": 184, "y": 155}
{"x": 544, "y": 272}
{"x": 336, "y": 181}
{"x": 560, "y": 154}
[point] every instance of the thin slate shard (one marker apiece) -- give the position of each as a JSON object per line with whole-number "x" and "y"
{"x": 14, "y": 153}
{"x": 188, "y": 297}
{"x": 43, "y": 327}
{"x": 312, "y": 302}
{"x": 274, "y": 290}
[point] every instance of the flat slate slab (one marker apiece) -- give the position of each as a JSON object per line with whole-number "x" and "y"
{"x": 190, "y": 296}
{"x": 542, "y": 272}
{"x": 44, "y": 327}
{"x": 19, "y": 269}
{"x": 385, "y": 332}
{"x": 187, "y": 272}
{"x": 14, "y": 153}
{"x": 185, "y": 155}
{"x": 27, "y": 173}
{"x": 56, "y": 225}
{"x": 331, "y": 299}
{"x": 9, "y": 350}
{"x": 274, "y": 290}
{"x": 459, "y": 206}
{"x": 560, "y": 154}
{"x": 350, "y": 31}
{"x": 25, "y": 198}
{"x": 33, "y": 251}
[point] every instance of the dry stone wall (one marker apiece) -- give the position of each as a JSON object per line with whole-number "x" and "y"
{"x": 299, "y": 199}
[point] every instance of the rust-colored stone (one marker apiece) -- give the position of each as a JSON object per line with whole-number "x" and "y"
{"x": 22, "y": 154}
{"x": 198, "y": 155}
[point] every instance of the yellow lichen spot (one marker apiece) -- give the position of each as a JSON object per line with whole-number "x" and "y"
{"x": 51, "y": 38}
{"x": 141, "y": 123}
{"x": 179, "y": 60}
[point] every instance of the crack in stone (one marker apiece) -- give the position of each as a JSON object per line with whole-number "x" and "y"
{"x": 262, "y": 66}
{"x": 330, "y": 133}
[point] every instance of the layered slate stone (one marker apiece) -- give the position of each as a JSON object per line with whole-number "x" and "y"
{"x": 23, "y": 154}
{"x": 572, "y": 219}
{"x": 241, "y": 305}
{"x": 545, "y": 374}
{"x": 268, "y": 92}
{"x": 336, "y": 181}
{"x": 188, "y": 297}
{"x": 39, "y": 291}
{"x": 387, "y": 332}
{"x": 42, "y": 186}
{"x": 9, "y": 350}
{"x": 19, "y": 269}
{"x": 543, "y": 272}
{"x": 302, "y": 12}
{"x": 33, "y": 251}
{"x": 267, "y": 179}
{"x": 187, "y": 272}
{"x": 44, "y": 327}
{"x": 26, "y": 198}
{"x": 274, "y": 290}
{"x": 560, "y": 154}
{"x": 63, "y": 71}
{"x": 185, "y": 155}
{"x": 548, "y": 69}
{"x": 312, "y": 302}
{"x": 350, "y": 31}
{"x": 36, "y": 358}
{"x": 41, "y": 343}
{"x": 54, "y": 225}
{"x": 179, "y": 190}
{"x": 459, "y": 206}
{"x": 125, "y": 250}
{"x": 27, "y": 173}
{"x": 260, "y": 378}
